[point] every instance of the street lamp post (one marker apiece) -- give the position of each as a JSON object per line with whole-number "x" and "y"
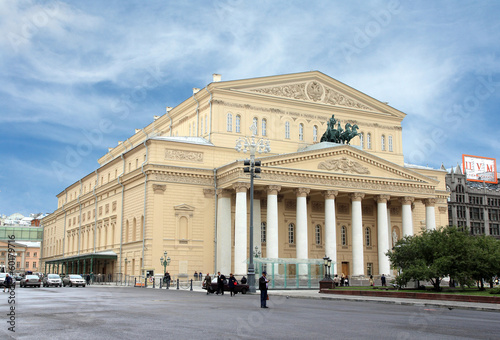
{"x": 165, "y": 261}
{"x": 252, "y": 145}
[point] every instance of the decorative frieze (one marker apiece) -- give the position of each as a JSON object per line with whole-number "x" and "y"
{"x": 318, "y": 206}
{"x": 159, "y": 188}
{"x": 343, "y": 164}
{"x": 343, "y": 208}
{"x": 182, "y": 155}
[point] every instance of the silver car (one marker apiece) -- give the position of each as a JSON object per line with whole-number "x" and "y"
{"x": 73, "y": 280}
{"x": 31, "y": 280}
{"x": 52, "y": 280}
{"x": 2, "y": 278}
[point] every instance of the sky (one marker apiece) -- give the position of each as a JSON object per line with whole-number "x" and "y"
{"x": 69, "y": 66}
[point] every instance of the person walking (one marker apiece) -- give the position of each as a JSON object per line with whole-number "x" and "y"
{"x": 371, "y": 281}
{"x": 220, "y": 283}
{"x": 382, "y": 278}
{"x": 7, "y": 283}
{"x": 208, "y": 283}
{"x": 232, "y": 284}
{"x": 263, "y": 285}
{"x": 87, "y": 278}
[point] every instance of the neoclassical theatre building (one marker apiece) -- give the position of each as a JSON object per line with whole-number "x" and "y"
{"x": 178, "y": 185}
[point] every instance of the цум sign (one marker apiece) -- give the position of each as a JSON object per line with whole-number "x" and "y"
{"x": 480, "y": 169}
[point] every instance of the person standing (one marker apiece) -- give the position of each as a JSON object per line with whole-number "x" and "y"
{"x": 167, "y": 279}
{"x": 7, "y": 283}
{"x": 263, "y": 285}
{"x": 220, "y": 283}
{"x": 382, "y": 278}
{"x": 87, "y": 278}
{"x": 232, "y": 284}
{"x": 208, "y": 283}
{"x": 371, "y": 281}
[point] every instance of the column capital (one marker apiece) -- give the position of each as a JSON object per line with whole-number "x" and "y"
{"x": 357, "y": 196}
{"x": 241, "y": 186}
{"x": 382, "y": 198}
{"x": 159, "y": 188}
{"x": 330, "y": 194}
{"x": 407, "y": 200}
{"x": 429, "y": 202}
{"x": 302, "y": 192}
{"x": 208, "y": 192}
{"x": 273, "y": 189}
{"x": 224, "y": 193}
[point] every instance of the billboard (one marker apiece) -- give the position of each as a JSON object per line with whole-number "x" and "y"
{"x": 479, "y": 169}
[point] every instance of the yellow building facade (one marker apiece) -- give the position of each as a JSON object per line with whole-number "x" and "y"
{"x": 178, "y": 185}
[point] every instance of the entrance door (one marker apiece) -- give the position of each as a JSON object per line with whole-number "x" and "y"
{"x": 345, "y": 268}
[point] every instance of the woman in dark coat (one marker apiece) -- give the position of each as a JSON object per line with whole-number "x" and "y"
{"x": 232, "y": 284}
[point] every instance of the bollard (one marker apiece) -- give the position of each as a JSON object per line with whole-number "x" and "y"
{"x": 177, "y": 283}
{"x": 154, "y": 282}
{"x": 160, "y": 283}
{"x": 135, "y": 282}
{"x": 191, "y": 285}
{"x": 146, "y": 282}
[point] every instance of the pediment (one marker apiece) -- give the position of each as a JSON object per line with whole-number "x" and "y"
{"x": 344, "y": 160}
{"x": 313, "y": 87}
{"x": 183, "y": 207}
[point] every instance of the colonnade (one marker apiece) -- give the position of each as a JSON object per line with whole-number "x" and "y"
{"x": 224, "y": 253}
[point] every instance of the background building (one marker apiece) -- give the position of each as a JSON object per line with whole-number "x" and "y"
{"x": 473, "y": 204}
{"x": 178, "y": 185}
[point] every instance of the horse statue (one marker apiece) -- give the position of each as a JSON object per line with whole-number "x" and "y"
{"x": 344, "y": 137}
{"x": 353, "y": 133}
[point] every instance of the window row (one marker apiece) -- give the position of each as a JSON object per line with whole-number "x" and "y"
{"x": 229, "y": 128}
{"x": 318, "y": 234}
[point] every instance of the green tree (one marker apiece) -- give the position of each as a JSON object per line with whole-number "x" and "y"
{"x": 432, "y": 255}
{"x": 485, "y": 258}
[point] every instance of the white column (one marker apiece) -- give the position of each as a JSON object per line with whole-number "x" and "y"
{"x": 358, "y": 268}
{"x": 330, "y": 230}
{"x": 272, "y": 250}
{"x": 272, "y": 222}
{"x": 384, "y": 265}
{"x": 430, "y": 214}
{"x": 257, "y": 242}
{"x": 224, "y": 231}
{"x": 407, "y": 216}
{"x": 301, "y": 241}
{"x": 240, "y": 229}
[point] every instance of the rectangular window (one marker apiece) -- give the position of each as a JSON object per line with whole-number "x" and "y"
{"x": 34, "y": 254}
{"x": 34, "y": 264}
{"x": 390, "y": 143}
{"x": 27, "y": 264}
{"x": 28, "y": 253}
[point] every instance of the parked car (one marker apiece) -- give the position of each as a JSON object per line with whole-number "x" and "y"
{"x": 73, "y": 280}
{"x": 52, "y": 280}
{"x": 2, "y": 279}
{"x": 18, "y": 277}
{"x": 239, "y": 288}
{"x": 31, "y": 280}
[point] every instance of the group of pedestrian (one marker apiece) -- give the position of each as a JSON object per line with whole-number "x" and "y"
{"x": 198, "y": 276}
{"x": 166, "y": 279}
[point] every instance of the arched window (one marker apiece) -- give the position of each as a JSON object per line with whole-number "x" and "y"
{"x": 256, "y": 123}
{"x": 134, "y": 229}
{"x": 368, "y": 235}
{"x": 301, "y": 131}
{"x": 382, "y": 142}
{"x": 127, "y": 231}
{"x": 263, "y": 232}
{"x": 317, "y": 234}
{"x": 291, "y": 233}
{"x": 361, "y": 140}
{"x": 229, "y": 122}
{"x": 368, "y": 141}
{"x": 315, "y": 133}
{"x": 287, "y": 130}
{"x": 238, "y": 123}
{"x": 389, "y": 141}
{"x": 264, "y": 127}
{"x": 343, "y": 235}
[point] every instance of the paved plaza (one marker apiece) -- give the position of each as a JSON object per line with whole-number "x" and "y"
{"x": 110, "y": 312}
